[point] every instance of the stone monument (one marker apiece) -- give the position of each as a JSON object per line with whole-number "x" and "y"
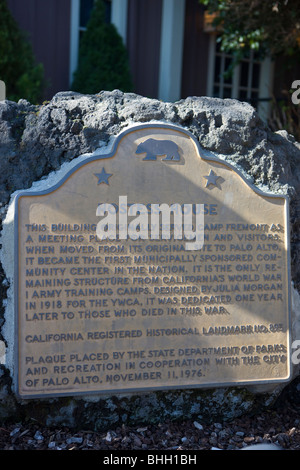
{"x": 151, "y": 270}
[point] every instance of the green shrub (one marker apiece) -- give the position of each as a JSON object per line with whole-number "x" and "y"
{"x": 103, "y": 61}
{"x": 22, "y": 76}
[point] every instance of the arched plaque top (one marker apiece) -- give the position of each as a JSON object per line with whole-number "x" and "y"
{"x": 153, "y": 265}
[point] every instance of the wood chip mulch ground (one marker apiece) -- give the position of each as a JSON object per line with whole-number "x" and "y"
{"x": 280, "y": 426}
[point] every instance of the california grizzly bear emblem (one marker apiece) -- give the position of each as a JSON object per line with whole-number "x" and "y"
{"x": 157, "y": 148}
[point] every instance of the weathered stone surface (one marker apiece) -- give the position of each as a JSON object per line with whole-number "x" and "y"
{"x": 36, "y": 140}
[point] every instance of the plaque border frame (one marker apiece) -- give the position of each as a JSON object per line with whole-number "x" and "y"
{"x": 203, "y": 154}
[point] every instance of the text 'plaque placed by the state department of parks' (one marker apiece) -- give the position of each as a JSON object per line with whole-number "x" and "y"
{"x": 151, "y": 267}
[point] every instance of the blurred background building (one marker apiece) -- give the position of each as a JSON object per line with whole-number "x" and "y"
{"x": 172, "y": 49}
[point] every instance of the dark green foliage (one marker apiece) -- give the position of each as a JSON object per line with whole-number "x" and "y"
{"x": 103, "y": 61}
{"x": 271, "y": 26}
{"x": 22, "y": 76}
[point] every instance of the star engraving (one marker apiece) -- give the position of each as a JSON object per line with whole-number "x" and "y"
{"x": 212, "y": 179}
{"x": 103, "y": 176}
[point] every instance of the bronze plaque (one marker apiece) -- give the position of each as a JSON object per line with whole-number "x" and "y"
{"x": 111, "y": 297}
